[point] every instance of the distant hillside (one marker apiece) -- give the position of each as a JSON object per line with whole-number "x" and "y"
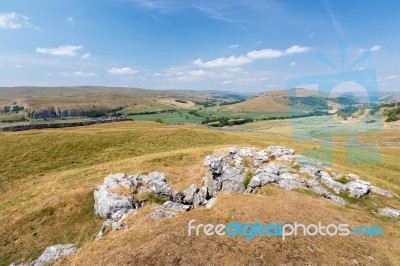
{"x": 273, "y": 101}
{"x": 390, "y": 99}
{"x": 50, "y": 102}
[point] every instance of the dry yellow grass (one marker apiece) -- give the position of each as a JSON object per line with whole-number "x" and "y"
{"x": 173, "y": 103}
{"x": 166, "y": 242}
{"x": 47, "y": 179}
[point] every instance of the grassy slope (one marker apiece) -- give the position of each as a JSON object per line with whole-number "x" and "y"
{"x": 47, "y": 179}
{"x": 138, "y": 100}
{"x": 273, "y": 101}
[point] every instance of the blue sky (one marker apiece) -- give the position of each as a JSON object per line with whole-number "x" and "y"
{"x": 224, "y": 45}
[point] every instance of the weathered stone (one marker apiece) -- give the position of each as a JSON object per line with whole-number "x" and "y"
{"x": 281, "y": 153}
{"x": 52, "y": 254}
{"x": 327, "y": 180}
{"x": 291, "y": 181}
{"x": 320, "y": 190}
{"x": 176, "y": 206}
{"x": 153, "y": 177}
{"x": 352, "y": 176}
{"x": 389, "y": 212}
{"x": 312, "y": 172}
{"x": 200, "y": 199}
{"x": 111, "y": 205}
{"x": 106, "y": 224}
{"x": 189, "y": 194}
{"x": 336, "y": 175}
{"x": 358, "y": 188}
{"x": 161, "y": 212}
{"x": 381, "y": 191}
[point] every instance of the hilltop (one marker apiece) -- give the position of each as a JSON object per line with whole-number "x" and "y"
{"x": 48, "y": 178}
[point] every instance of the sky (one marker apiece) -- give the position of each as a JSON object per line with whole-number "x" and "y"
{"x": 246, "y": 46}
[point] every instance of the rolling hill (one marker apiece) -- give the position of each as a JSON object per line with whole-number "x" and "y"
{"x": 47, "y": 179}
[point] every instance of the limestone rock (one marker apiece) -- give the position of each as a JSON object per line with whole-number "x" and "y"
{"x": 281, "y": 153}
{"x": 291, "y": 181}
{"x": 327, "y": 180}
{"x": 358, "y": 188}
{"x": 189, "y": 194}
{"x": 382, "y": 192}
{"x": 111, "y": 205}
{"x": 389, "y": 212}
{"x": 176, "y": 206}
{"x": 200, "y": 199}
{"x": 161, "y": 212}
{"x": 51, "y": 255}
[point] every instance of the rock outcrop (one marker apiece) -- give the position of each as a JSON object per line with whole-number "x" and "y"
{"x": 240, "y": 170}
{"x": 51, "y": 255}
{"x": 389, "y": 212}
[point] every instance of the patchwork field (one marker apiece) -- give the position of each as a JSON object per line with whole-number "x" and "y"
{"x": 47, "y": 179}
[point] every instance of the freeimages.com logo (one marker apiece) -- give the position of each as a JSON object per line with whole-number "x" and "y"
{"x": 280, "y": 229}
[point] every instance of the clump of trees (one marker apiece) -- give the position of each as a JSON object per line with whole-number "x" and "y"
{"x": 15, "y": 109}
{"x": 393, "y": 114}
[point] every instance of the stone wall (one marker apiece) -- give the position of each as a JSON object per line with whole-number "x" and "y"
{"x": 62, "y": 125}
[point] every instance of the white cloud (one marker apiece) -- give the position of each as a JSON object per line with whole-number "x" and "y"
{"x": 80, "y": 74}
{"x": 86, "y": 56}
{"x": 251, "y": 56}
{"x": 224, "y": 61}
{"x": 375, "y": 48}
{"x": 84, "y": 74}
{"x": 234, "y": 69}
{"x": 265, "y": 53}
{"x": 259, "y": 42}
{"x": 62, "y": 50}
{"x": 14, "y": 21}
{"x": 17, "y": 66}
{"x": 293, "y": 64}
{"x": 233, "y": 46}
{"x": 122, "y": 71}
{"x": 226, "y": 82}
{"x": 197, "y": 73}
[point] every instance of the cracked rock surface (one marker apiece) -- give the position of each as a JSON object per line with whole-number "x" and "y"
{"x": 240, "y": 170}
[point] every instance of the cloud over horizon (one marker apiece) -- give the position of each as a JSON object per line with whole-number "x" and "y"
{"x": 62, "y": 50}
{"x": 251, "y": 56}
{"x": 122, "y": 71}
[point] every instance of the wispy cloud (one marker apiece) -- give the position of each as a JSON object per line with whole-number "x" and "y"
{"x": 233, "y": 46}
{"x": 335, "y": 22}
{"x": 62, "y": 50}
{"x": 14, "y": 21}
{"x": 224, "y": 61}
{"x": 251, "y": 56}
{"x": 86, "y": 56}
{"x": 122, "y": 71}
{"x": 375, "y": 48}
{"x": 80, "y": 74}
